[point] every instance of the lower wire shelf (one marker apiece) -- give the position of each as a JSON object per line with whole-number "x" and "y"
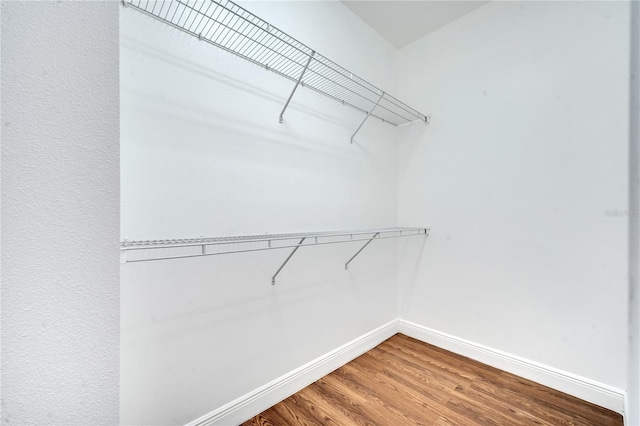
{"x": 152, "y": 250}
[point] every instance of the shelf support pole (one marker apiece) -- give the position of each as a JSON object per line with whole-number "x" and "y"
{"x": 346, "y": 265}
{"x": 296, "y": 86}
{"x": 273, "y": 279}
{"x": 365, "y": 119}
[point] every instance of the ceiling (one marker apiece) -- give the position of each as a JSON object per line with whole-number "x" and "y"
{"x": 402, "y": 22}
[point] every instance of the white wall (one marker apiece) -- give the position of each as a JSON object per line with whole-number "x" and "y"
{"x": 527, "y": 149}
{"x": 60, "y": 218}
{"x": 197, "y": 333}
{"x": 203, "y": 154}
{"x": 200, "y": 132}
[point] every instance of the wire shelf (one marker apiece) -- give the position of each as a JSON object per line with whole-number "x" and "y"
{"x": 140, "y": 251}
{"x": 236, "y": 30}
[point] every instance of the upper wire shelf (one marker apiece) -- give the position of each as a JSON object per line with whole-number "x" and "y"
{"x": 236, "y": 30}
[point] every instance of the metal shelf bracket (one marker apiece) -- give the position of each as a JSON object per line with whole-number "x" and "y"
{"x": 296, "y": 86}
{"x": 346, "y": 265}
{"x": 273, "y": 279}
{"x": 367, "y": 116}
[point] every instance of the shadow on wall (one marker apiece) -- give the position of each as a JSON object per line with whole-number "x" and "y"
{"x": 187, "y": 65}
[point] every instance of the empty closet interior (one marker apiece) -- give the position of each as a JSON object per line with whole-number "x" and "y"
{"x": 297, "y": 186}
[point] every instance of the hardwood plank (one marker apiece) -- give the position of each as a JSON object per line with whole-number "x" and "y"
{"x": 551, "y": 402}
{"x": 407, "y": 382}
{"x": 268, "y": 417}
{"x": 335, "y": 383}
{"x": 460, "y": 367}
{"x": 259, "y": 420}
{"x": 431, "y": 404}
{"x": 323, "y": 395}
{"x": 477, "y": 408}
{"x": 351, "y": 407}
{"x": 293, "y": 414}
{"x": 407, "y": 408}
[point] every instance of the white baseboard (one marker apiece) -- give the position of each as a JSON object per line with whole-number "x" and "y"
{"x": 626, "y": 405}
{"x": 255, "y": 402}
{"x": 580, "y": 387}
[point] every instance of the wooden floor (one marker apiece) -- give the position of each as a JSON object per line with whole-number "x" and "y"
{"x": 406, "y": 382}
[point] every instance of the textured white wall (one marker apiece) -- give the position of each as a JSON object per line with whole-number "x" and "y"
{"x": 527, "y": 149}
{"x": 60, "y": 215}
{"x": 203, "y": 154}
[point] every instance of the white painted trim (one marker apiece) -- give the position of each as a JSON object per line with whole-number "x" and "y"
{"x": 257, "y": 401}
{"x": 572, "y": 384}
{"x": 625, "y": 421}
{"x": 247, "y": 406}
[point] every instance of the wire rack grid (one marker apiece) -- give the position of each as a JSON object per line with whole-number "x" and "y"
{"x": 140, "y": 251}
{"x": 238, "y": 31}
